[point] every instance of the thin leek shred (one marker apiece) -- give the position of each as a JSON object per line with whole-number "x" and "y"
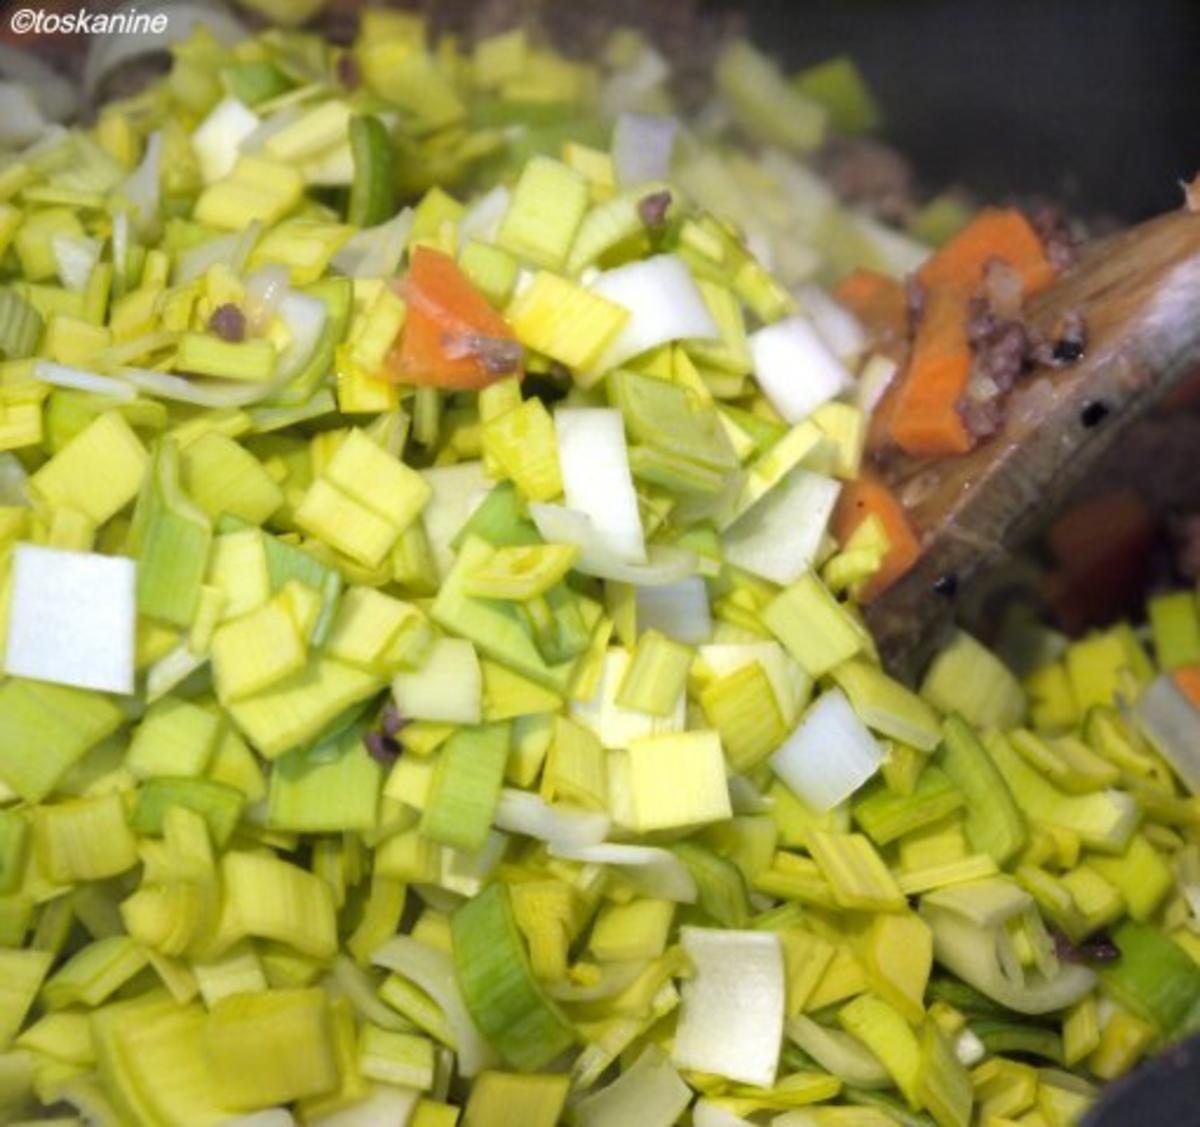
{"x": 481, "y": 690}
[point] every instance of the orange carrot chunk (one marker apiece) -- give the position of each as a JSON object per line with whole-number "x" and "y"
{"x": 1187, "y": 677}
{"x": 452, "y": 338}
{"x": 994, "y": 233}
{"x": 868, "y": 496}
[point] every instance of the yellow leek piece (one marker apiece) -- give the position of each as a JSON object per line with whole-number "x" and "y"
{"x": 256, "y": 189}
{"x": 1094, "y": 667}
{"x": 352, "y": 1088}
{"x": 377, "y": 632}
{"x": 72, "y": 478}
{"x": 71, "y": 340}
{"x": 656, "y": 675}
{"x": 818, "y": 631}
{"x": 206, "y": 355}
{"x": 434, "y": 1113}
{"x": 576, "y": 768}
{"x": 175, "y": 737}
{"x": 270, "y": 1048}
{"x": 408, "y": 76}
{"x": 304, "y": 246}
{"x": 368, "y": 474}
{"x": 885, "y": 1032}
{"x": 886, "y": 706}
{"x": 543, "y": 910}
{"x": 676, "y": 780}
{"x": 898, "y": 954}
{"x": 967, "y": 678}
{"x": 1140, "y": 874}
{"x": 1123, "y": 1042}
{"x": 1004, "y": 1088}
{"x": 375, "y": 332}
{"x": 394, "y": 1057}
{"x": 1175, "y": 624}
{"x": 380, "y": 918}
{"x": 416, "y": 1007}
{"x": 544, "y": 213}
{"x": 492, "y": 271}
{"x": 743, "y": 707}
{"x": 268, "y": 898}
{"x": 523, "y": 443}
{"x": 806, "y": 959}
{"x": 358, "y": 391}
{"x": 845, "y": 428}
{"x": 976, "y": 866}
{"x": 234, "y": 764}
{"x": 225, "y": 478}
{"x": 564, "y": 321}
{"x": 943, "y": 1085}
{"x": 508, "y": 695}
{"x": 506, "y": 1099}
{"x": 637, "y": 930}
{"x": 21, "y": 976}
{"x": 237, "y": 566}
{"x": 857, "y": 874}
{"x": 34, "y": 239}
{"x": 94, "y": 972}
{"x": 258, "y": 650}
{"x": 345, "y": 524}
{"x": 84, "y": 839}
{"x": 66, "y": 1035}
{"x": 1080, "y": 1030}
{"x": 494, "y": 61}
{"x": 521, "y": 572}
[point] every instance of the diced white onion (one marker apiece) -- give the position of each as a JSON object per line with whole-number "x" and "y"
{"x": 664, "y": 304}
{"x": 835, "y": 324}
{"x": 433, "y": 971}
{"x": 521, "y": 812}
{"x": 657, "y": 872}
{"x": 385, "y": 1105}
{"x": 829, "y": 755}
{"x": 63, "y": 375}
{"x": 456, "y": 491}
{"x": 482, "y": 218}
{"x": 679, "y": 610}
{"x": 795, "y": 368}
{"x": 597, "y": 480}
{"x": 72, "y": 618}
{"x": 642, "y": 145}
{"x": 75, "y": 258}
{"x": 218, "y": 136}
{"x": 375, "y": 252}
{"x": 664, "y": 563}
{"x": 447, "y": 688}
{"x": 732, "y": 1010}
{"x": 780, "y": 535}
{"x": 1172, "y": 724}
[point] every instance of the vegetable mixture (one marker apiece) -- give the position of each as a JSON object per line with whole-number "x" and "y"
{"x": 436, "y": 689}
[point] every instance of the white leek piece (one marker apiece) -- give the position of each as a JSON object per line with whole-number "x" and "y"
{"x": 433, "y": 971}
{"x": 679, "y": 610}
{"x": 642, "y": 146}
{"x": 835, "y": 324}
{"x": 829, "y": 755}
{"x": 375, "y": 252}
{"x": 778, "y": 539}
{"x": 613, "y": 725}
{"x": 795, "y": 367}
{"x": 731, "y": 1016}
{"x": 21, "y": 118}
{"x": 664, "y": 304}
{"x": 75, "y": 258}
{"x": 650, "y": 1093}
{"x": 72, "y": 618}
{"x": 448, "y": 687}
{"x": 457, "y": 490}
{"x": 565, "y": 827}
{"x": 1172, "y": 724}
{"x": 559, "y": 525}
{"x": 596, "y": 478}
{"x": 656, "y": 872}
{"x": 790, "y": 684}
{"x": 62, "y": 375}
{"x": 219, "y": 135}
{"x": 482, "y": 219}
{"x": 383, "y": 1104}
{"x": 143, "y": 187}
{"x": 304, "y": 318}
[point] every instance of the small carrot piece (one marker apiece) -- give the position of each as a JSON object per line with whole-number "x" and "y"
{"x": 925, "y": 419}
{"x": 1187, "y": 677}
{"x": 879, "y": 302}
{"x": 868, "y": 496}
{"x": 450, "y": 332}
{"x": 994, "y": 233}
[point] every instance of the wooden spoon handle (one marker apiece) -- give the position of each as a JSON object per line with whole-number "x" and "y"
{"x": 1139, "y": 294}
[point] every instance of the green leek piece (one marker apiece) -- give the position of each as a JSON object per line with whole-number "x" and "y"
{"x": 218, "y": 804}
{"x": 993, "y": 821}
{"x": 885, "y": 816}
{"x": 204, "y": 355}
{"x": 14, "y": 849}
{"x": 466, "y": 787}
{"x": 270, "y": 1047}
{"x": 546, "y": 209}
{"x": 501, "y": 994}
{"x": 501, "y": 520}
{"x": 268, "y": 898}
{"x": 492, "y": 271}
{"x": 285, "y": 563}
{"x": 765, "y": 105}
{"x": 505, "y": 1099}
{"x": 1155, "y": 979}
{"x": 20, "y": 326}
{"x": 85, "y": 839}
{"x": 331, "y": 787}
{"x": 175, "y": 737}
{"x": 1175, "y": 624}
{"x": 656, "y": 675}
{"x": 969, "y": 679}
{"x": 94, "y": 973}
{"x": 886, "y": 706}
{"x": 255, "y": 80}
{"x": 171, "y": 537}
{"x": 46, "y": 730}
{"x": 839, "y": 86}
{"x": 943, "y": 1085}
{"x": 814, "y": 627}
{"x": 888, "y": 1036}
{"x": 939, "y": 220}
{"x": 721, "y": 890}
{"x": 372, "y": 190}
{"x": 1019, "y": 1037}
{"x": 1104, "y": 820}
{"x": 21, "y": 975}
{"x": 69, "y": 479}
{"x": 223, "y": 477}
{"x": 857, "y": 874}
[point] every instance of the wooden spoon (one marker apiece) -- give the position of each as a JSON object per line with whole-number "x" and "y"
{"x": 1139, "y": 294}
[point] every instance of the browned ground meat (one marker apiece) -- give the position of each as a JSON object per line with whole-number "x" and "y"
{"x": 870, "y": 174}
{"x": 1052, "y": 225}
